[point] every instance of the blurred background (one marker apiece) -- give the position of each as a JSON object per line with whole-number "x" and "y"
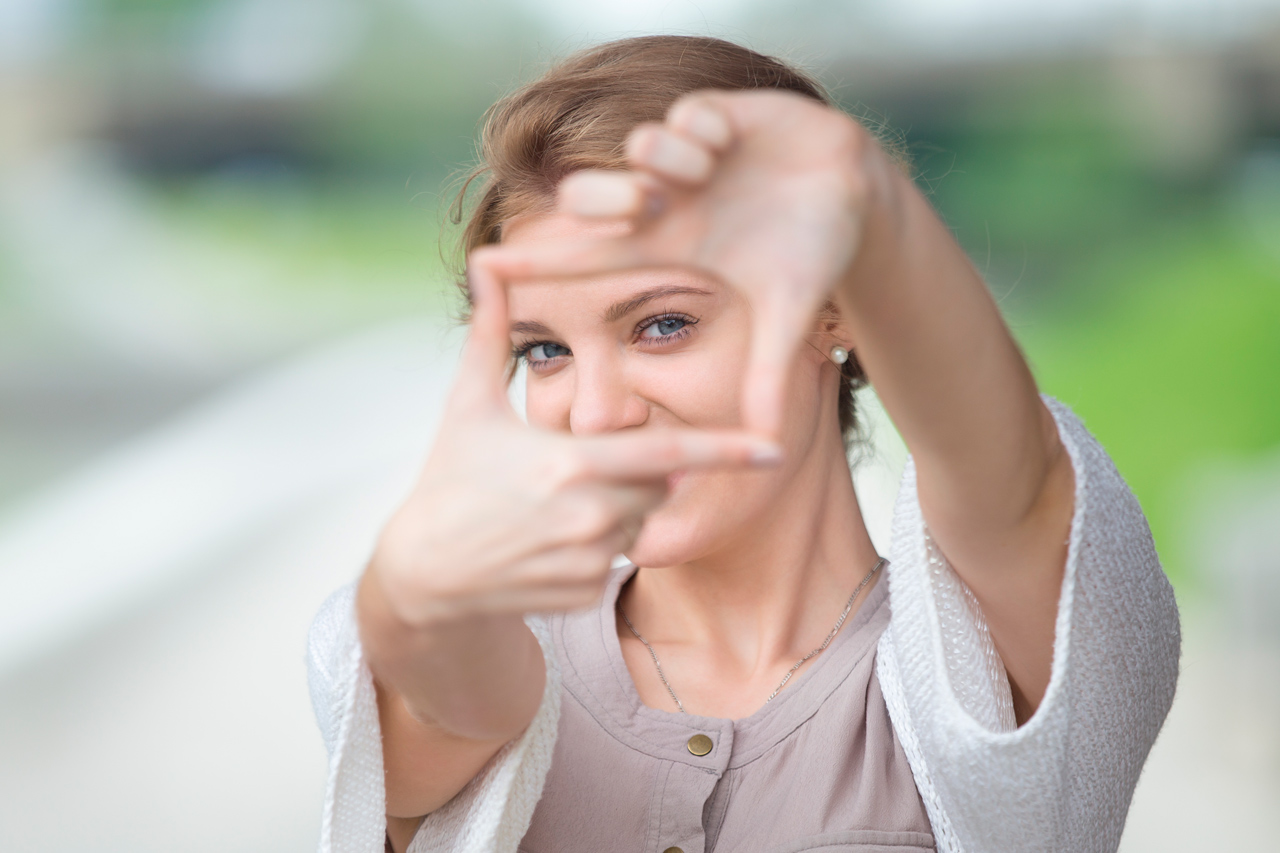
{"x": 225, "y": 330}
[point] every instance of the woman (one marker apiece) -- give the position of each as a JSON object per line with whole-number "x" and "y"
{"x": 686, "y": 246}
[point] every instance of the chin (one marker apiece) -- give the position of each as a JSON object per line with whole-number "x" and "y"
{"x": 702, "y": 515}
{"x": 677, "y": 532}
{"x": 658, "y": 550}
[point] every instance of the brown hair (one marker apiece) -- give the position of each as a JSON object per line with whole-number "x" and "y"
{"x": 578, "y": 115}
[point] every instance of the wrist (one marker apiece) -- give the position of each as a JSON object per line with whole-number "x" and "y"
{"x": 476, "y": 677}
{"x": 878, "y": 187}
{"x": 414, "y": 577}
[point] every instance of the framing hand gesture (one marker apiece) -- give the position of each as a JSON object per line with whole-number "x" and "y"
{"x": 765, "y": 190}
{"x": 508, "y": 518}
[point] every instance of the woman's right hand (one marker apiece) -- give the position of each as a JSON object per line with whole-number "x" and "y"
{"x": 510, "y": 519}
{"x": 506, "y": 519}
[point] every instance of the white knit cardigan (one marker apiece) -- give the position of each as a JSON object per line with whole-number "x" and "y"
{"x": 1062, "y": 782}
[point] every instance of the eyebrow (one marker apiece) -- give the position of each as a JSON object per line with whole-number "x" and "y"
{"x": 618, "y": 310}
{"x": 621, "y": 309}
{"x": 530, "y": 327}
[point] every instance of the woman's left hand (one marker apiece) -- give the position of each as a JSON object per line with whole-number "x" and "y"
{"x": 766, "y": 190}
{"x": 794, "y": 204}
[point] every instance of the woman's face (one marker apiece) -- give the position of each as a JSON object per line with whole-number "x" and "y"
{"x": 662, "y": 349}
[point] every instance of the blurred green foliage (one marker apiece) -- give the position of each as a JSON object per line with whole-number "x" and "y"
{"x": 1168, "y": 346}
{"x": 364, "y": 234}
{"x": 1150, "y": 305}
{"x": 1142, "y": 299}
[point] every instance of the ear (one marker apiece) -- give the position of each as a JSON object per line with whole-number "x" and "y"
{"x": 829, "y": 330}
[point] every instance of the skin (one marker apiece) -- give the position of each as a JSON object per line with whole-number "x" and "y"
{"x": 757, "y": 208}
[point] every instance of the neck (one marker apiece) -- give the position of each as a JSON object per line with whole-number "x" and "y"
{"x": 762, "y": 602}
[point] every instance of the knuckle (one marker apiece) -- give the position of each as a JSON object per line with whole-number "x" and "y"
{"x": 581, "y": 596}
{"x": 642, "y": 139}
{"x": 587, "y": 520}
{"x": 566, "y": 467}
{"x": 588, "y": 564}
{"x": 667, "y": 450}
{"x": 851, "y": 143}
{"x": 847, "y": 135}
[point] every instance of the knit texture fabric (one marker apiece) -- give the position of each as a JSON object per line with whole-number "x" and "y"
{"x": 492, "y": 813}
{"x": 1063, "y": 781}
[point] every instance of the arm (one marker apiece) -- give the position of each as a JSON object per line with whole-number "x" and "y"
{"x": 995, "y": 484}
{"x": 450, "y": 695}
{"x": 505, "y": 520}
{"x": 795, "y": 204}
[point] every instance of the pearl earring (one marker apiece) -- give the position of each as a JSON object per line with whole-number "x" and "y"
{"x": 839, "y": 354}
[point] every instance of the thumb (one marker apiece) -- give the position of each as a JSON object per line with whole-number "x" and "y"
{"x": 776, "y": 333}
{"x": 482, "y": 373}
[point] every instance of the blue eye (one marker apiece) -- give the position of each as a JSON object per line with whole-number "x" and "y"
{"x": 546, "y": 352}
{"x": 665, "y": 327}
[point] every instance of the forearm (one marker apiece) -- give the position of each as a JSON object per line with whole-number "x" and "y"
{"x": 478, "y": 677}
{"x": 944, "y": 363}
{"x": 450, "y": 695}
{"x": 994, "y": 482}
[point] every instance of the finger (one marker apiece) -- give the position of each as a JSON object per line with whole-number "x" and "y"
{"x": 553, "y": 595}
{"x": 698, "y": 117}
{"x": 670, "y": 155}
{"x": 776, "y": 333}
{"x": 488, "y": 350}
{"x": 543, "y": 581}
{"x": 592, "y": 511}
{"x": 568, "y": 258}
{"x": 745, "y": 111}
{"x": 646, "y": 455}
{"x": 567, "y": 565}
{"x": 604, "y": 194}
{"x": 634, "y": 500}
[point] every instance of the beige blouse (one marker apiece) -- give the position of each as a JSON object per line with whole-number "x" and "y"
{"x": 817, "y": 769}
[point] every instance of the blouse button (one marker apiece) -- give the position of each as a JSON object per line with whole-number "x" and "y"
{"x": 673, "y": 850}
{"x": 698, "y": 745}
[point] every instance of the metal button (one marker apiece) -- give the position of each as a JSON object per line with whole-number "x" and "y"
{"x": 673, "y": 850}
{"x": 698, "y": 745}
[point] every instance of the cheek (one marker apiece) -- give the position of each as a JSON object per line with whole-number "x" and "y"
{"x": 701, "y": 386}
{"x": 703, "y": 391}
{"x": 709, "y": 509}
{"x": 547, "y": 402}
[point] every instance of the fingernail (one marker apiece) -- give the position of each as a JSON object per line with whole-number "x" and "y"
{"x": 679, "y": 159}
{"x": 766, "y": 454}
{"x": 596, "y": 195}
{"x": 709, "y": 126}
{"x": 654, "y": 206}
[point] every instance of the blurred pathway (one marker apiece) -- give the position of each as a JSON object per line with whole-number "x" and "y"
{"x": 154, "y": 605}
{"x": 154, "y": 608}
{"x": 1212, "y": 782}
{"x": 166, "y": 706}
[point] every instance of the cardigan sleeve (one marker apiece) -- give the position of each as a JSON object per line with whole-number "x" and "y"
{"x": 490, "y": 815}
{"x": 1063, "y": 780}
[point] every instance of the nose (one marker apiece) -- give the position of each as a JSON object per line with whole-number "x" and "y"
{"x": 603, "y": 399}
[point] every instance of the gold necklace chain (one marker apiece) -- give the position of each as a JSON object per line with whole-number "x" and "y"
{"x": 819, "y": 650}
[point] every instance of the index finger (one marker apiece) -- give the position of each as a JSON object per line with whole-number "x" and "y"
{"x": 778, "y": 327}
{"x": 657, "y": 453}
{"x": 487, "y": 353}
{"x": 568, "y": 258}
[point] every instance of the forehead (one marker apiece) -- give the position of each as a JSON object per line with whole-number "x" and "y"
{"x": 586, "y": 293}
